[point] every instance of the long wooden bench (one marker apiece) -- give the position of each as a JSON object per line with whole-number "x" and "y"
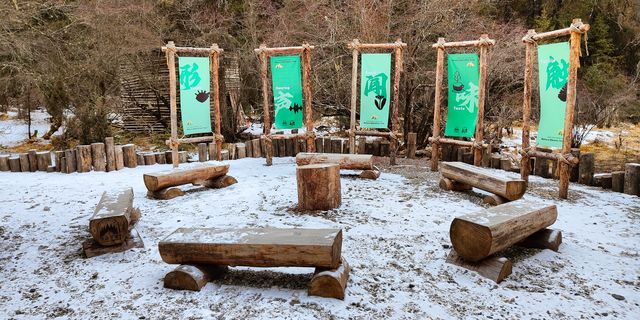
{"x": 460, "y": 176}
{"x": 477, "y": 237}
{"x": 204, "y": 252}
{"x": 363, "y": 162}
{"x": 163, "y": 184}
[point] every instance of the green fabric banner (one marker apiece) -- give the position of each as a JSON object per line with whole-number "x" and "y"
{"x": 286, "y": 82}
{"x": 463, "y": 77}
{"x": 553, "y": 71}
{"x": 195, "y": 86}
{"x": 375, "y": 77}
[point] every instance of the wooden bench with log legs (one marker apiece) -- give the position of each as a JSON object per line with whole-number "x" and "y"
{"x": 362, "y": 162}
{"x": 163, "y": 185}
{"x": 206, "y": 253}
{"x": 477, "y": 237}
{"x": 460, "y": 176}
{"x": 111, "y": 225}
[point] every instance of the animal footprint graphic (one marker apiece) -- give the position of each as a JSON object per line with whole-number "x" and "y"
{"x": 202, "y": 96}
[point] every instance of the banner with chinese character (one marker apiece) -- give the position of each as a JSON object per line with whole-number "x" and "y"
{"x": 375, "y": 78}
{"x": 463, "y": 77}
{"x": 286, "y": 82}
{"x": 553, "y": 73}
{"x": 195, "y": 103}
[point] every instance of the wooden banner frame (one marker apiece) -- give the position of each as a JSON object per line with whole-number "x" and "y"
{"x": 393, "y": 134}
{"x": 478, "y": 144}
{"x": 267, "y": 138}
{"x": 565, "y": 159}
{"x": 174, "y": 142}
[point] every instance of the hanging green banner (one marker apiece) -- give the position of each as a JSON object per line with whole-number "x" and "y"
{"x": 286, "y": 84}
{"x": 375, "y": 77}
{"x": 463, "y": 77}
{"x": 553, "y": 73}
{"x": 195, "y": 104}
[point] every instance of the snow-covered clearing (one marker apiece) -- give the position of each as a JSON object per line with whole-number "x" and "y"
{"x": 15, "y": 131}
{"x": 395, "y": 238}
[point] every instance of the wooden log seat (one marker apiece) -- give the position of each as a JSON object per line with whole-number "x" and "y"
{"x": 113, "y": 217}
{"x": 362, "y": 162}
{"x": 465, "y": 174}
{"x": 319, "y": 186}
{"x": 163, "y": 185}
{"x": 201, "y": 250}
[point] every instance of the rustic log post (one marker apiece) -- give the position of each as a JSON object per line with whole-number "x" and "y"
{"x": 362, "y": 145}
{"x": 119, "y": 158}
{"x": 160, "y": 158}
{"x": 241, "y": 151}
{"x": 495, "y": 161}
{"x": 171, "y": 64}
{"x": 98, "y": 156}
{"x": 33, "y": 160}
{"x": 83, "y": 158}
{"x": 575, "y": 170}
{"x": 336, "y": 145}
{"x": 70, "y": 161}
{"x": 112, "y": 217}
{"x": 319, "y": 186}
{"x": 213, "y": 151}
{"x": 482, "y": 84}
{"x": 493, "y": 268}
{"x": 14, "y": 163}
{"x": 296, "y": 147}
{"x": 24, "y": 162}
{"x": 395, "y": 122}
{"x": 264, "y": 76}
{"x": 602, "y": 180}
{"x": 4, "y": 163}
{"x": 110, "y": 153}
{"x": 586, "y": 168}
{"x": 617, "y": 181}
{"x": 376, "y": 147}
{"x": 140, "y": 158}
{"x": 437, "y": 108}
{"x": 354, "y": 94}
{"x": 541, "y": 167}
{"x": 58, "y": 156}
{"x": 202, "y": 152}
{"x": 183, "y": 157}
{"x": 43, "y": 159}
{"x": 129, "y": 156}
{"x": 632, "y": 179}
{"x": 411, "y": 145}
{"x": 257, "y": 148}
{"x": 319, "y": 145}
{"x": 307, "y": 96}
{"x": 225, "y": 154}
{"x": 248, "y": 145}
{"x": 149, "y": 158}
{"x": 330, "y": 283}
{"x": 213, "y": 69}
{"x": 526, "y": 105}
{"x": 167, "y": 156}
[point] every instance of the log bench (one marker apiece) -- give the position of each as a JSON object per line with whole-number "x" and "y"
{"x": 478, "y": 237}
{"x": 363, "y": 162}
{"x": 460, "y": 176}
{"x": 205, "y": 253}
{"x": 164, "y": 185}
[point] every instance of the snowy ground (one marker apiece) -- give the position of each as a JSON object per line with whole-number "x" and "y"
{"x": 395, "y": 238}
{"x": 594, "y": 135}
{"x": 14, "y": 131}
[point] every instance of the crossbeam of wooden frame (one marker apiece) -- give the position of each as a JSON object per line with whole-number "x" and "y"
{"x": 393, "y": 134}
{"x": 575, "y": 31}
{"x": 483, "y": 44}
{"x": 174, "y": 142}
{"x": 267, "y": 138}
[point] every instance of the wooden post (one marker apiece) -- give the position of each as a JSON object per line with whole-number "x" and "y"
{"x": 98, "y": 156}
{"x": 354, "y": 94}
{"x": 83, "y": 158}
{"x": 140, "y": 158}
{"x": 574, "y": 64}
{"x": 215, "y": 52}
{"x": 411, "y": 145}
{"x": 526, "y": 104}
{"x": 482, "y": 84}
{"x": 264, "y": 75}
{"x": 59, "y": 155}
{"x": 632, "y": 179}
{"x": 241, "y": 151}
{"x": 319, "y": 145}
{"x": 257, "y": 149}
{"x": 587, "y": 166}
{"x": 4, "y": 163}
{"x": 24, "y": 163}
{"x": 395, "y": 122}
{"x": 129, "y": 155}
{"x": 319, "y": 186}
{"x": 306, "y": 94}
{"x": 33, "y": 160}
{"x": 110, "y": 153}
{"x": 160, "y": 158}
{"x": 436, "y": 108}
{"x": 119, "y": 158}
{"x": 14, "y": 163}
{"x": 617, "y": 181}
{"x": 149, "y": 158}
{"x": 167, "y": 155}
{"x": 171, "y": 64}
{"x": 70, "y": 156}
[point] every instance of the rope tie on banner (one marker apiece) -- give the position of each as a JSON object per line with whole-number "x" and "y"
{"x": 525, "y": 151}
{"x": 440, "y": 44}
{"x": 484, "y": 41}
{"x": 173, "y": 144}
{"x": 576, "y": 28}
{"x": 528, "y": 38}
{"x": 478, "y": 145}
{"x": 218, "y": 137}
{"x": 309, "y": 134}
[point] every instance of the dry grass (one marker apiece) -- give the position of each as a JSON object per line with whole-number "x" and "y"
{"x": 26, "y": 146}
{"x": 4, "y": 117}
{"x": 625, "y": 148}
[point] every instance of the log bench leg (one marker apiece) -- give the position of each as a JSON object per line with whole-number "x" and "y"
{"x": 330, "y": 283}
{"x": 495, "y": 200}
{"x": 493, "y": 268}
{"x": 451, "y": 185}
{"x": 165, "y": 194}
{"x": 192, "y": 277}
{"x": 543, "y": 239}
{"x": 370, "y": 174}
{"x": 91, "y": 248}
{"x": 221, "y": 182}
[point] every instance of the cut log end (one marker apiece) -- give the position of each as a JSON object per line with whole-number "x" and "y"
{"x": 192, "y": 277}
{"x": 492, "y": 268}
{"x": 495, "y": 200}
{"x": 543, "y": 239}
{"x": 370, "y": 174}
{"x": 330, "y": 283}
{"x": 467, "y": 246}
{"x": 165, "y": 194}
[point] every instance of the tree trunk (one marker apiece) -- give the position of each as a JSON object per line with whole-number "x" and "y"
{"x": 318, "y": 186}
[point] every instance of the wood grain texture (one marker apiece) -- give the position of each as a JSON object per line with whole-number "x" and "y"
{"x": 493, "y": 268}
{"x": 319, "y": 186}
{"x": 14, "y": 163}
{"x": 83, "y": 158}
{"x": 260, "y": 247}
{"x": 165, "y": 194}
{"x": 484, "y": 179}
{"x": 175, "y": 177}
{"x": 24, "y": 162}
{"x": 98, "y": 156}
{"x": 33, "y": 160}
{"x": 110, "y": 153}
{"x": 129, "y": 157}
{"x": 451, "y": 185}
{"x": 220, "y": 182}
{"x": 330, "y": 283}
{"x": 478, "y": 235}
{"x": 543, "y": 239}
{"x": 631, "y": 178}
{"x": 111, "y": 218}
{"x": 4, "y": 163}
{"x": 192, "y": 277}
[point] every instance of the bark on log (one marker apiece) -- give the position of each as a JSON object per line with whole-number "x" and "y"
{"x": 411, "y": 145}
{"x": 495, "y": 161}
{"x": 617, "y": 181}
{"x": 602, "y": 180}
{"x": 318, "y": 186}
{"x": 110, "y": 153}
{"x": 288, "y": 147}
{"x": 14, "y": 164}
{"x": 362, "y": 145}
{"x": 319, "y": 145}
{"x": 63, "y": 164}
{"x": 165, "y": 194}
{"x": 282, "y": 148}
{"x": 326, "y": 141}
{"x": 149, "y": 158}
{"x": 98, "y": 156}
{"x": 167, "y": 157}
{"x": 541, "y": 168}
{"x": 574, "y": 174}
{"x": 92, "y": 249}
{"x": 232, "y": 151}
{"x": 241, "y": 151}
{"x": 171, "y": 178}
{"x": 484, "y": 179}
{"x": 492, "y": 268}
{"x": 70, "y": 158}
{"x": 478, "y": 235}
{"x": 140, "y": 158}
{"x": 370, "y": 174}
{"x": 24, "y": 162}
{"x": 224, "y": 154}
{"x": 192, "y": 277}
{"x": 346, "y": 161}
{"x": 112, "y": 217}
{"x": 213, "y": 151}
{"x": 183, "y": 157}
{"x": 632, "y": 179}
{"x": 160, "y": 158}
{"x": 330, "y": 283}
{"x": 119, "y": 158}
{"x": 248, "y": 145}
{"x": 260, "y": 247}
{"x": 543, "y": 239}
{"x": 33, "y": 160}
{"x": 220, "y": 182}
{"x": 202, "y": 152}
{"x": 43, "y": 159}
{"x": 336, "y": 145}
{"x": 494, "y": 200}
{"x": 451, "y": 185}
{"x": 256, "y": 148}
{"x": 586, "y": 168}
{"x": 129, "y": 156}
{"x": 59, "y": 155}
{"x": 83, "y": 158}
{"x": 4, "y": 163}
{"x": 505, "y": 164}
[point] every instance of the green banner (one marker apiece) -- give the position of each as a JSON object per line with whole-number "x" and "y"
{"x": 195, "y": 104}
{"x": 287, "y": 91}
{"x": 463, "y": 77}
{"x": 553, "y": 71}
{"x": 375, "y": 77}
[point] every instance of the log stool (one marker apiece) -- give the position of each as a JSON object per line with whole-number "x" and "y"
{"x": 319, "y": 186}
